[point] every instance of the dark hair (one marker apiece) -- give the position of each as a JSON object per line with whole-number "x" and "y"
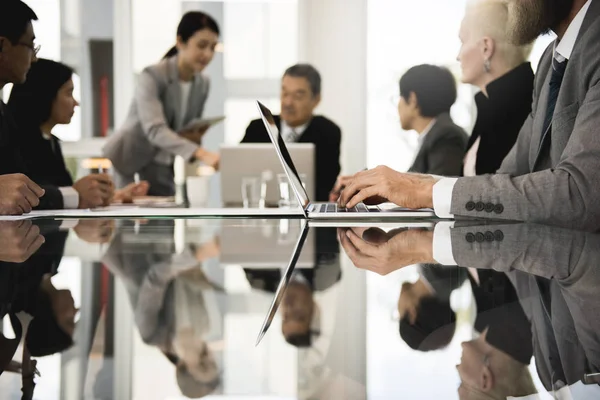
{"x": 44, "y": 336}
{"x": 308, "y": 72}
{"x": 434, "y": 327}
{"x": 31, "y": 102}
{"x": 435, "y": 88}
{"x": 300, "y": 340}
{"x": 14, "y": 17}
{"x": 192, "y": 22}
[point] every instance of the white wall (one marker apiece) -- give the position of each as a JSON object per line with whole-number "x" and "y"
{"x": 333, "y": 37}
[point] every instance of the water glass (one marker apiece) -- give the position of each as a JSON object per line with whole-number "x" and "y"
{"x": 287, "y": 197}
{"x": 250, "y": 192}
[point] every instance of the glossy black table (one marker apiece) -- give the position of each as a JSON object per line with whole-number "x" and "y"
{"x": 171, "y": 309}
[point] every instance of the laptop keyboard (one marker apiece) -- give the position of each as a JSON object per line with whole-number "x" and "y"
{"x": 333, "y": 208}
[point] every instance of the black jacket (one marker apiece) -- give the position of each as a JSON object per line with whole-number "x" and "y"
{"x": 43, "y": 158}
{"x": 501, "y": 116}
{"x": 325, "y": 135}
{"x": 443, "y": 149}
{"x": 12, "y": 160}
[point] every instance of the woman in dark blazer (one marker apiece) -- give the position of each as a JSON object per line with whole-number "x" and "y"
{"x": 499, "y": 69}
{"x": 38, "y": 105}
{"x": 168, "y": 96}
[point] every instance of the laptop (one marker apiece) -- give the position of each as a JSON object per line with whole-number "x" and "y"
{"x": 258, "y": 159}
{"x": 327, "y": 210}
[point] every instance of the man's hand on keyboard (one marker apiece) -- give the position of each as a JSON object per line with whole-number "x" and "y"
{"x": 340, "y": 184}
{"x": 383, "y": 184}
{"x": 382, "y": 253}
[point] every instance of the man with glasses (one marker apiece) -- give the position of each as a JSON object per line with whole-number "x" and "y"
{"x": 18, "y": 194}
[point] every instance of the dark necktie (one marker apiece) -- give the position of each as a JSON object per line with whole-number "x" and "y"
{"x": 558, "y": 73}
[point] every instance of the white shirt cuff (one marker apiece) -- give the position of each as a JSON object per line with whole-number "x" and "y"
{"x": 442, "y": 197}
{"x": 442, "y": 243}
{"x": 70, "y": 197}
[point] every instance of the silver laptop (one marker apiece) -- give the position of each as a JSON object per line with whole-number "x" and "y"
{"x": 254, "y": 160}
{"x": 327, "y": 210}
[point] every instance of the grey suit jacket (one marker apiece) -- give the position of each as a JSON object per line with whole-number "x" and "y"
{"x": 149, "y": 132}
{"x": 556, "y": 273}
{"x": 443, "y": 149}
{"x": 559, "y": 185}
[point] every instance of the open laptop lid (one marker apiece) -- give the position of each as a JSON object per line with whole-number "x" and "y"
{"x": 284, "y": 156}
{"x": 285, "y": 280}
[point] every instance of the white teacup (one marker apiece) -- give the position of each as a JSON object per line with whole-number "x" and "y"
{"x": 197, "y": 190}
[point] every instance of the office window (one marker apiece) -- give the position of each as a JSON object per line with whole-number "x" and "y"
{"x": 261, "y": 38}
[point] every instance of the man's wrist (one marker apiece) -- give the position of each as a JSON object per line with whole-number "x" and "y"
{"x": 426, "y": 248}
{"x": 427, "y": 192}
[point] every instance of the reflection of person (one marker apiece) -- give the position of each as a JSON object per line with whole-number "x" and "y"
{"x": 300, "y": 313}
{"x": 427, "y": 322}
{"x": 499, "y": 69}
{"x": 19, "y": 240}
{"x": 18, "y": 193}
{"x": 38, "y": 105}
{"x": 300, "y": 95}
{"x": 169, "y": 95}
{"x": 487, "y": 372}
{"x": 39, "y": 313}
{"x": 554, "y": 273}
{"x": 167, "y": 292}
{"x": 550, "y": 176}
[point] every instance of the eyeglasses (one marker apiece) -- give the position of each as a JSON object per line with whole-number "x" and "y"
{"x": 32, "y": 47}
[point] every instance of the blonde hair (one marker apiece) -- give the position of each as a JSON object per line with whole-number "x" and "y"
{"x": 490, "y": 18}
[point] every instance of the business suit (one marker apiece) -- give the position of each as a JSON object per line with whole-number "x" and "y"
{"x": 559, "y": 184}
{"x": 500, "y": 116}
{"x": 148, "y": 141}
{"x": 556, "y": 276}
{"x": 325, "y": 135}
{"x": 11, "y": 160}
{"x": 44, "y": 159}
{"x": 443, "y": 149}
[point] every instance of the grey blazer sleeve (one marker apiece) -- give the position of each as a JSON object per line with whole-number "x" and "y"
{"x": 565, "y": 196}
{"x": 152, "y": 118}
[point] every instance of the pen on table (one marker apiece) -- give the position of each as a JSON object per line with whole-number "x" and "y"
{"x": 136, "y": 225}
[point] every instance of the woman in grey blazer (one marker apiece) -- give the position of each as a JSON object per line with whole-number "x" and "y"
{"x": 168, "y": 96}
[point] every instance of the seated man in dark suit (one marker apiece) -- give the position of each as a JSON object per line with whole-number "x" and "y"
{"x": 18, "y": 194}
{"x": 300, "y": 95}
{"x": 427, "y": 93}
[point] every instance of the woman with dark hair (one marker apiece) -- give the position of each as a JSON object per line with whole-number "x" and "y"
{"x": 38, "y": 105}
{"x": 168, "y": 96}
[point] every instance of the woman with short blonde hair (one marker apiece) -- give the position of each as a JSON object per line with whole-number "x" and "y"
{"x": 505, "y": 79}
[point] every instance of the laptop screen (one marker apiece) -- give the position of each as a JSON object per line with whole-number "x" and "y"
{"x": 284, "y": 155}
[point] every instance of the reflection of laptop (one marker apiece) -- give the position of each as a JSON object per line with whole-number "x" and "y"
{"x": 285, "y": 280}
{"x": 244, "y": 242}
{"x": 289, "y": 272}
{"x": 326, "y": 210}
{"x": 252, "y": 160}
